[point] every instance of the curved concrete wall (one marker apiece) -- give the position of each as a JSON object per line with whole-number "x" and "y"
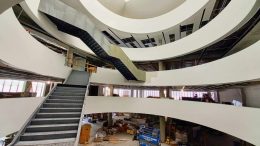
{"x": 240, "y": 122}
{"x": 239, "y": 67}
{"x": 223, "y": 25}
{"x": 139, "y": 26}
{"x": 6, "y": 4}
{"x": 19, "y": 49}
{"x": 14, "y": 113}
{"x": 31, "y": 8}
{"x": 227, "y": 22}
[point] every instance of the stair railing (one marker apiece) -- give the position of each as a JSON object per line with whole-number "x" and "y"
{"x": 28, "y": 121}
{"x": 81, "y": 116}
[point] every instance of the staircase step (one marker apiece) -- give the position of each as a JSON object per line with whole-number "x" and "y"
{"x": 59, "y": 110}
{"x": 52, "y": 127}
{"x": 67, "y": 97}
{"x": 69, "y": 89}
{"x": 41, "y": 121}
{"x": 45, "y": 142}
{"x": 68, "y": 93}
{"x": 62, "y": 105}
{"x": 58, "y": 115}
{"x": 63, "y": 101}
{"x": 48, "y": 135}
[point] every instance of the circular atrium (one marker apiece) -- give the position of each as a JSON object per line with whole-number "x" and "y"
{"x": 129, "y": 73}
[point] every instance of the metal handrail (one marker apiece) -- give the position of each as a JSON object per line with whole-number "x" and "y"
{"x": 21, "y": 131}
{"x": 81, "y": 117}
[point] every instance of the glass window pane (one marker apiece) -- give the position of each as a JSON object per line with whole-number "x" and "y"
{"x": 1, "y": 85}
{"x": 7, "y": 85}
{"x": 14, "y": 86}
{"x": 21, "y": 86}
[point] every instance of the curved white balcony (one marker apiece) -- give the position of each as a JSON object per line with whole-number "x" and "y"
{"x": 140, "y": 26}
{"x": 239, "y": 67}
{"x": 19, "y": 49}
{"x": 220, "y": 27}
{"x": 241, "y": 122}
{"x": 227, "y": 22}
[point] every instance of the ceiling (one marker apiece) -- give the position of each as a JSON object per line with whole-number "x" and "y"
{"x": 141, "y": 9}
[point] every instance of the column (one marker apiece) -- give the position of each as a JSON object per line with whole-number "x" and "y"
{"x": 109, "y": 119}
{"x": 111, "y": 87}
{"x": 100, "y": 90}
{"x": 243, "y": 94}
{"x": 161, "y": 90}
{"x": 161, "y": 66}
{"x": 27, "y": 89}
{"x": 162, "y": 128}
{"x": 69, "y": 57}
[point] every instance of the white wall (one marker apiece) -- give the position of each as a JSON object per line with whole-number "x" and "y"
{"x": 117, "y": 6}
{"x": 228, "y": 95}
{"x": 241, "y": 122}
{"x": 214, "y": 31}
{"x": 139, "y": 26}
{"x": 19, "y": 49}
{"x": 252, "y": 96}
{"x": 15, "y": 111}
{"x": 239, "y": 67}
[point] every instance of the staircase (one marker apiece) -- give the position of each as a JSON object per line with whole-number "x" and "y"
{"x": 81, "y": 27}
{"x": 57, "y": 119}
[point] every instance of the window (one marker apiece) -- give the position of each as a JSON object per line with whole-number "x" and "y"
{"x": 177, "y": 95}
{"x": 122, "y": 92}
{"x": 11, "y": 85}
{"x": 7, "y": 85}
{"x": 38, "y": 88}
{"x": 153, "y": 93}
{"x": 188, "y": 27}
{"x": 172, "y": 37}
{"x": 110, "y": 37}
{"x": 130, "y": 41}
{"x": 150, "y": 41}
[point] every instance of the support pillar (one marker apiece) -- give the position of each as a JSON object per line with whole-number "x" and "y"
{"x": 161, "y": 66}
{"x": 47, "y": 89}
{"x": 162, "y": 128}
{"x": 111, "y": 87}
{"x": 167, "y": 92}
{"x": 243, "y": 95}
{"x": 100, "y": 90}
{"x": 69, "y": 57}
{"x": 218, "y": 96}
{"x": 162, "y": 95}
{"x": 27, "y": 89}
{"x": 109, "y": 119}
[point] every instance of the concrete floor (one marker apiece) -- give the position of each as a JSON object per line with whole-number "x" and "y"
{"x": 121, "y": 139}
